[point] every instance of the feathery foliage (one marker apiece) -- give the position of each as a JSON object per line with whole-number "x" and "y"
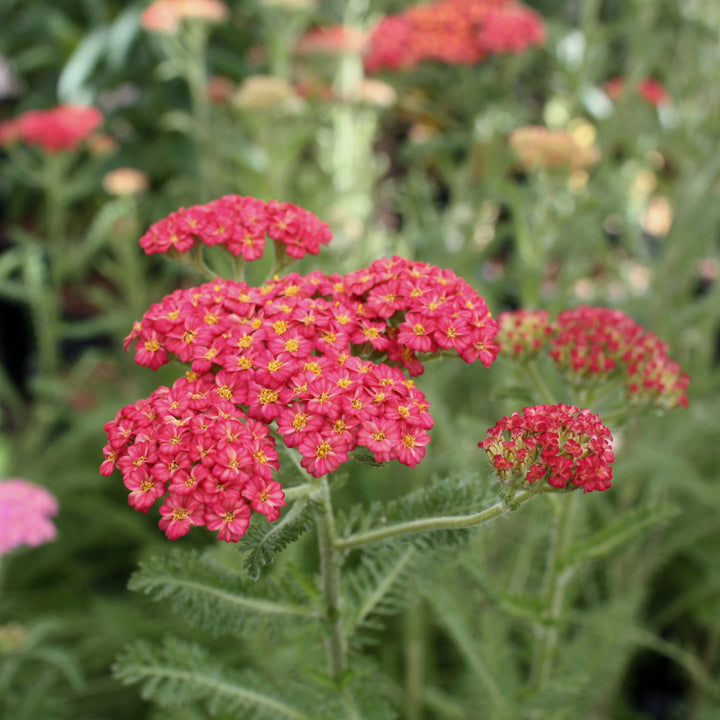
{"x": 216, "y": 598}
{"x": 263, "y": 541}
{"x": 179, "y": 672}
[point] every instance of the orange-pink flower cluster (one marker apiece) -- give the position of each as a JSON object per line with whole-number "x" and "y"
{"x": 461, "y": 32}
{"x": 555, "y": 445}
{"x": 62, "y": 128}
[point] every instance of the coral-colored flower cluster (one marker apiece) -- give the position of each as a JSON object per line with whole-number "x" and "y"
{"x": 537, "y": 146}
{"x": 293, "y": 353}
{"x": 457, "y": 32}
{"x": 25, "y": 512}
{"x": 63, "y": 128}
{"x": 555, "y": 444}
{"x": 523, "y": 333}
{"x": 596, "y": 342}
{"x": 166, "y": 16}
{"x": 591, "y": 344}
{"x": 241, "y": 225}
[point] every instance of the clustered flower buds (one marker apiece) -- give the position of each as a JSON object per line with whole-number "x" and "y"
{"x": 522, "y": 333}
{"x": 62, "y": 128}
{"x": 459, "y": 32}
{"x": 592, "y": 345}
{"x": 319, "y": 356}
{"x": 240, "y": 224}
{"x": 558, "y": 446}
{"x": 25, "y": 512}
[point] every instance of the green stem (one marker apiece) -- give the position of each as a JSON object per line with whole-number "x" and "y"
{"x": 415, "y": 662}
{"x": 533, "y": 373}
{"x": 442, "y": 522}
{"x": 557, "y": 578}
{"x": 336, "y": 642}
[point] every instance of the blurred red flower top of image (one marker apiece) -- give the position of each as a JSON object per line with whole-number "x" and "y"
{"x": 61, "y": 128}
{"x": 649, "y": 89}
{"x": 460, "y": 32}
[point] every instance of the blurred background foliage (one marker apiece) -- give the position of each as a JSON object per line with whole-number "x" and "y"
{"x": 424, "y": 170}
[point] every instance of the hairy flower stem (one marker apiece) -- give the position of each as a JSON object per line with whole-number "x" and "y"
{"x": 336, "y": 643}
{"x": 557, "y": 578}
{"x": 441, "y": 522}
{"x": 537, "y": 380}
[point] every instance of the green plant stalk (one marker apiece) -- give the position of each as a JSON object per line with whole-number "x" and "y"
{"x": 45, "y": 300}
{"x": 336, "y": 642}
{"x": 440, "y": 522}
{"x": 532, "y": 372}
{"x": 415, "y": 649}
{"x": 557, "y": 578}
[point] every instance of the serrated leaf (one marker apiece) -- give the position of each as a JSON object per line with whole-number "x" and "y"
{"x": 263, "y": 541}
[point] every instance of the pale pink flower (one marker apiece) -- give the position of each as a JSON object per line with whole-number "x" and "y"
{"x": 25, "y": 512}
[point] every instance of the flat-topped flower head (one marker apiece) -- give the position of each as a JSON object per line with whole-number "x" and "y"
{"x": 62, "y": 128}
{"x": 523, "y": 334}
{"x": 457, "y": 32}
{"x": 25, "y": 512}
{"x": 323, "y": 359}
{"x": 593, "y": 344}
{"x": 551, "y": 446}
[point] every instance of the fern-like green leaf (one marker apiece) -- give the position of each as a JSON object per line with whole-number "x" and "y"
{"x": 263, "y": 540}
{"x": 179, "y": 672}
{"x": 619, "y": 533}
{"x": 380, "y": 585}
{"x": 214, "y": 597}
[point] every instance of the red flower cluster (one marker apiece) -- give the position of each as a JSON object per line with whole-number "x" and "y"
{"x": 240, "y": 224}
{"x": 64, "y": 127}
{"x": 523, "y": 333}
{"x": 557, "y": 444}
{"x": 649, "y": 89}
{"x": 289, "y": 353}
{"x": 595, "y": 342}
{"x": 461, "y": 32}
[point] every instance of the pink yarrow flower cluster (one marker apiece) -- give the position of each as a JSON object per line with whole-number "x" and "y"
{"x": 295, "y": 354}
{"x": 63, "y": 128}
{"x": 460, "y": 32}
{"x": 241, "y": 225}
{"x": 551, "y": 445}
{"x": 25, "y": 512}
